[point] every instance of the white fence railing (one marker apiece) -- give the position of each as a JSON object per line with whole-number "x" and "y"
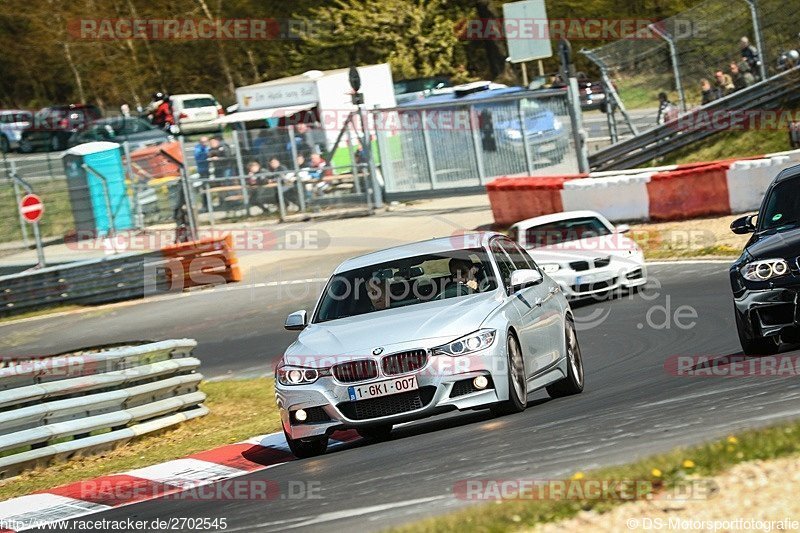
{"x": 57, "y": 407}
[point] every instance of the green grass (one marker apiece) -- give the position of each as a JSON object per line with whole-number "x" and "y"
{"x": 729, "y": 145}
{"x": 240, "y": 409}
{"x": 661, "y": 472}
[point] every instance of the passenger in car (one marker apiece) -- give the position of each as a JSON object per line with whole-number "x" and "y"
{"x": 463, "y": 279}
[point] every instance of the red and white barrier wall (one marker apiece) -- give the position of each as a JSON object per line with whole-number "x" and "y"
{"x": 673, "y": 192}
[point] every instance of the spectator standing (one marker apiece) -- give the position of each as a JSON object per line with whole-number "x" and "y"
{"x": 724, "y": 83}
{"x": 201, "y": 157}
{"x": 707, "y": 92}
{"x": 749, "y": 53}
{"x": 666, "y": 110}
{"x": 162, "y": 115}
{"x": 302, "y": 141}
{"x": 741, "y": 75}
{"x": 220, "y": 156}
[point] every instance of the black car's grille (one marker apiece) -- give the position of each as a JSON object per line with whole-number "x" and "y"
{"x": 601, "y": 262}
{"x": 586, "y": 287}
{"x": 314, "y": 415}
{"x": 465, "y": 386}
{"x": 404, "y": 362}
{"x": 387, "y": 405}
{"x": 353, "y": 371}
{"x": 579, "y": 265}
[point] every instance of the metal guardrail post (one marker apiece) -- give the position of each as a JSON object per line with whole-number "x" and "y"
{"x": 477, "y": 146}
{"x": 673, "y": 53}
{"x": 18, "y": 198}
{"x": 281, "y": 200}
{"x": 525, "y": 146}
{"x": 353, "y": 162}
{"x": 762, "y": 68}
{"x": 209, "y": 202}
{"x": 240, "y": 167}
{"x": 301, "y": 190}
{"x": 187, "y": 192}
{"x": 426, "y": 140}
{"x": 136, "y": 185}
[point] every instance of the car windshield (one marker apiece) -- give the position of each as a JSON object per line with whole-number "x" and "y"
{"x": 783, "y": 206}
{"x": 406, "y": 281}
{"x": 565, "y": 231}
{"x": 420, "y": 84}
{"x": 192, "y": 103}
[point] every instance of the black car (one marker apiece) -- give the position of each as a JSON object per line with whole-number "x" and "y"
{"x": 134, "y": 130}
{"x": 53, "y": 126}
{"x": 766, "y": 278}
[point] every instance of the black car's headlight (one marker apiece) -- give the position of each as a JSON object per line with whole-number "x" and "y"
{"x": 298, "y": 375}
{"x": 467, "y": 344}
{"x": 765, "y": 269}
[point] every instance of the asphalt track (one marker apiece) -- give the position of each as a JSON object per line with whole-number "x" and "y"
{"x": 632, "y": 406}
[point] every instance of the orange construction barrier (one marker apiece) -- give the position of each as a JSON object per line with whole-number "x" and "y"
{"x": 692, "y": 192}
{"x": 149, "y": 163}
{"x": 515, "y": 199}
{"x": 208, "y": 261}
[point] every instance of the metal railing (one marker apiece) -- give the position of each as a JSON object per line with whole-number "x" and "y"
{"x": 87, "y": 402}
{"x": 698, "y": 123}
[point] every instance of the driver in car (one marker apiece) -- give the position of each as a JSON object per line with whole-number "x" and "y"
{"x": 378, "y": 294}
{"x": 463, "y": 279}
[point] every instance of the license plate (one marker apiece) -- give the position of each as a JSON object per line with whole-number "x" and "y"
{"x": 547, "y": 147}
{"x": 382, "y": 388}
{"x": 588, "y": 278}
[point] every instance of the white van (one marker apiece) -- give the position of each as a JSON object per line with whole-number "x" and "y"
{"x": 195, "y": 113}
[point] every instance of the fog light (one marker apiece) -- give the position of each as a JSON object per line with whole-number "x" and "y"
{"x": 480, "y": 382}
{"x": 300, "y": 415}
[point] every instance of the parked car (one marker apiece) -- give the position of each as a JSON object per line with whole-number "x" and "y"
{"x": 765, "y": 280}
{"x": 592, "y": 92}
{"x": 498, "y": 119}
{"x": 584, "y": 252}
{"x": 195, "y": 113}
{"x": 419, "y": 88}
{"x": 12, "y": 122}
{"x": 421, "y": 329}
{"x": 136, "y": 131}
{"x": 53, "y": 126}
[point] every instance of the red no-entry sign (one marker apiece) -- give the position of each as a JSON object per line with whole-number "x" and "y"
{"x": 32, "y": 208}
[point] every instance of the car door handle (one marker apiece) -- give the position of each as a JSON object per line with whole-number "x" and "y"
{"x": 554, "y": 290}
{"x": 538, "y": 302}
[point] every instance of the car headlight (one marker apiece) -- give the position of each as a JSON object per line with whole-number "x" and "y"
{"x": 765, "y": 269}
{"x": 557, "y": 124}
{"x": 550, "y": 268}
{"x": 514, "y": 135}
{"x": 467, "y": 344}
{"x": 298, "y": 375}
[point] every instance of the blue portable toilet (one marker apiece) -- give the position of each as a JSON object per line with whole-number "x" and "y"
{"x": 87, "y": 191}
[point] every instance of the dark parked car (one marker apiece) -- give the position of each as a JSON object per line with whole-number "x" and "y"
{"x": 53, "y": 126}
{"x": 136, "y": 131}
{"x": 766, "y": 278}
{"x": 593, "y": 95}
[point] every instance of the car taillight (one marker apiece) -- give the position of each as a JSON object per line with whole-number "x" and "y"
{"x": 220, "y": 111}
{"x": 63, "y": 123}
{"x": 183, "y": 115}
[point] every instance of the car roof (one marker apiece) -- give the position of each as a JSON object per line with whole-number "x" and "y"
{"x": 472, "y": 239}
{"x": 523, "y": 225}
{"x": 190, "y": 95}
{"x": 788, "y": 173}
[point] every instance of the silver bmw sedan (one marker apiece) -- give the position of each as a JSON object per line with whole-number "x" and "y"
{"x": 456, "y": 323}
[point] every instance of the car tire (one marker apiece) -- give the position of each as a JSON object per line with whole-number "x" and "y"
{"x": 305, "y": 448}
{"x": 573, "y": 383}
{"x": 517, "y": 384}
{"x": 755, "y": 345}
{"x": 25, "y": 147}
{"x": 378, "y": 433}
{"x": 5, "y": 146}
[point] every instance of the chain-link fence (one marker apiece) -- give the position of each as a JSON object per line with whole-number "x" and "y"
{"x": 675, "y": 54}
{"x": 467, "y": 142}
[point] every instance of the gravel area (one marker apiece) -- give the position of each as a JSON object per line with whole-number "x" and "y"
{"x": 759, "y": 492}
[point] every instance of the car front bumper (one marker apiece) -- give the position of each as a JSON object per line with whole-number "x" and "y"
{"x": 587, "y": 283}
{"x": 444, "y": 385}
{"x": 769, "y": 312}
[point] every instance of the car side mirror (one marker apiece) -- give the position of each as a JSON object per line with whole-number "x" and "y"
{"x": 296, "y": 321}
{"x": 622, "y": 228}
{"x": 743, "y": 225}
{"x": 525, "y": 277}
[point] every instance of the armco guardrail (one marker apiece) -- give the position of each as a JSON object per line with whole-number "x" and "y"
{"x": 122, "y": 277}
{"x": 698, "y": 124}
{"x": 130, "y": 391}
